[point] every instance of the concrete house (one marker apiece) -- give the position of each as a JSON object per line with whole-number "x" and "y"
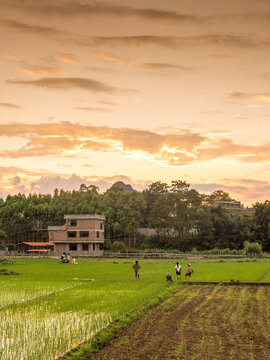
{"x": 233, "y": 206}
{"x": 81, "y": 235}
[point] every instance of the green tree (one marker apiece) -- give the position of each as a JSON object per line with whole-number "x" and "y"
{"x": 3, "y": 239}
{"x": 244, "y": 222}
{"x": 123, "y": 211}
{"x": 151, "y": 194}
{"x": 175, "y": 213}
{"x": 262, "y": 224}
{"x": 221, "y": 195}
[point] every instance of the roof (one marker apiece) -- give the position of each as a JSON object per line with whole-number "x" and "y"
{"x": 36, "y": 243}
{"x": 84, "y": 217}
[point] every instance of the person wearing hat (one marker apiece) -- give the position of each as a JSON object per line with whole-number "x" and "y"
{"x": 189, "y": 271}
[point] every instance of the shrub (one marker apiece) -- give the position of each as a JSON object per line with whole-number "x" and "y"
{"x": 11, "y": 247}
{"x": 118, "y": 246}
{"x": 252, "y": 249}
{"x": 107, "y": 245}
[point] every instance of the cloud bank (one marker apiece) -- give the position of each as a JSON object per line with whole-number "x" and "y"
{"x": 182, "y": 147}
{"x": 68, "y": 83}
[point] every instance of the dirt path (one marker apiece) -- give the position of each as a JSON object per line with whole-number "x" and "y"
{"x": 202, "y": 322}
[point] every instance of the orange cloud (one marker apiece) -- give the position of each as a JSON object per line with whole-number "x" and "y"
{"x": 69, "y": 84}
{"x": 14, "y": 180}
{"x": 97, "y": 109}
{"x": 41, "y": 70}
{"x": 11, "y": 106}
{"x": 175, "y": 149}
{"x": 66, "y": 58}
{"x": 248, "y": 191}
{"x": 110, "y": 58}
{"x": 32, "y": 29}
{"x": 13, "y": 57}
{"x": 165, "y": 66}
{"x": 76, "y": 8}
{"x": 151, "y": 65}
{"x": 262, "y": 97}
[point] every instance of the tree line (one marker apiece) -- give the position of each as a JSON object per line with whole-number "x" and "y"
{"x": 183, "y": 218}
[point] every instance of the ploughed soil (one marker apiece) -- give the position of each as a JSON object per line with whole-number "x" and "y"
{"x": 199, "y": 322}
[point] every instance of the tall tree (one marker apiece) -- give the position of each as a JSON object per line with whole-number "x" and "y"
{"x": 3, "y": 239}
{"x": 175, "y": 213}
{"x": 221, "y": 195}
{"x": 262, "y": 224}
{"x": 151, "y": 194}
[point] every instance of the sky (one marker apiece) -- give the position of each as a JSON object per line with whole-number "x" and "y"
{"x": 99, "y": 91}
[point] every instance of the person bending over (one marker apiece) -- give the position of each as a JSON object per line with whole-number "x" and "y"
{"x": 168, "y": 277}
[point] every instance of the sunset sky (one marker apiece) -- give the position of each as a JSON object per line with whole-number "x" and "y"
{"x": 140, "y": 91}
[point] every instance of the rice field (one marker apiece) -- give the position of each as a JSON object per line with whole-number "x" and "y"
{"x": 50, "y": 308}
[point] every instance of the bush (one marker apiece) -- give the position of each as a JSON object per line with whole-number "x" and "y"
{"x": 107, "y": 245}
{"x": 118, "y": 246}
{"x": 11, "y": 247}
{"x": 252, "y": 249}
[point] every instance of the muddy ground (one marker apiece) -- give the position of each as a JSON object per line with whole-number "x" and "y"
{"x": 200, "y": 322}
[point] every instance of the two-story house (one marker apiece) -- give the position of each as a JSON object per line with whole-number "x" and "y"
{"x": 81, "y": 235}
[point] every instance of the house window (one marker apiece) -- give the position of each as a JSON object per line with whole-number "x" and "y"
{"x": 72, "y": 234}
{"x": 73, "y": 247}
{"x": 73, "y": 223}
{"x": 94, "y": 247}
{"x": 101, "y": 226}
{"x": 84, "y": 234}
{"x": 97, "y": 234}
{"x": 84, "y": 247}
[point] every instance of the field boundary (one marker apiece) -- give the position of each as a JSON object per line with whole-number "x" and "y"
{"x": 227, "y": 283}
{"x": 142, "y": 256}
{"x": 265, "y": 275}
{"x": 170, "y": 256}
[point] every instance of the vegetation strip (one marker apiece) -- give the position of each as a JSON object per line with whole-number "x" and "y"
{"x": 91, "y": 347}
{"x": 234, "y": 283}
{"x": 177, "y": 217}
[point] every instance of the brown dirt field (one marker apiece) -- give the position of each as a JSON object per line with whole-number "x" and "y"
{"x": 200, "y": 323}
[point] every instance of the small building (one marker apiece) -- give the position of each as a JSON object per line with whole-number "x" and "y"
{"x": 233, "y": 206}
{"x": 35, "y": 247}
{"x": 82, "y": 234}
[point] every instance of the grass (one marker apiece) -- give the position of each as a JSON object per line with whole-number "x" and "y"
{"x": 50, "y": 308}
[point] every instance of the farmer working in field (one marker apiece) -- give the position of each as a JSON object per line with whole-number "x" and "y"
{"x": 189, "y": 271}
{"x": 178, "y": 271}
{"x": 168, "y": 277}
{"x": 136, "y": 268}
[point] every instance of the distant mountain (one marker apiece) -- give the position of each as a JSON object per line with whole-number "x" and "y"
{"x": 123, "y": 186}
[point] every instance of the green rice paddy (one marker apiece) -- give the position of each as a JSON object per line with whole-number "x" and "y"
{"x": 50, "y": 308}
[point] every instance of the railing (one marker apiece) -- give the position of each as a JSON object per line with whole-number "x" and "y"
{"x": 168, "y": 255}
